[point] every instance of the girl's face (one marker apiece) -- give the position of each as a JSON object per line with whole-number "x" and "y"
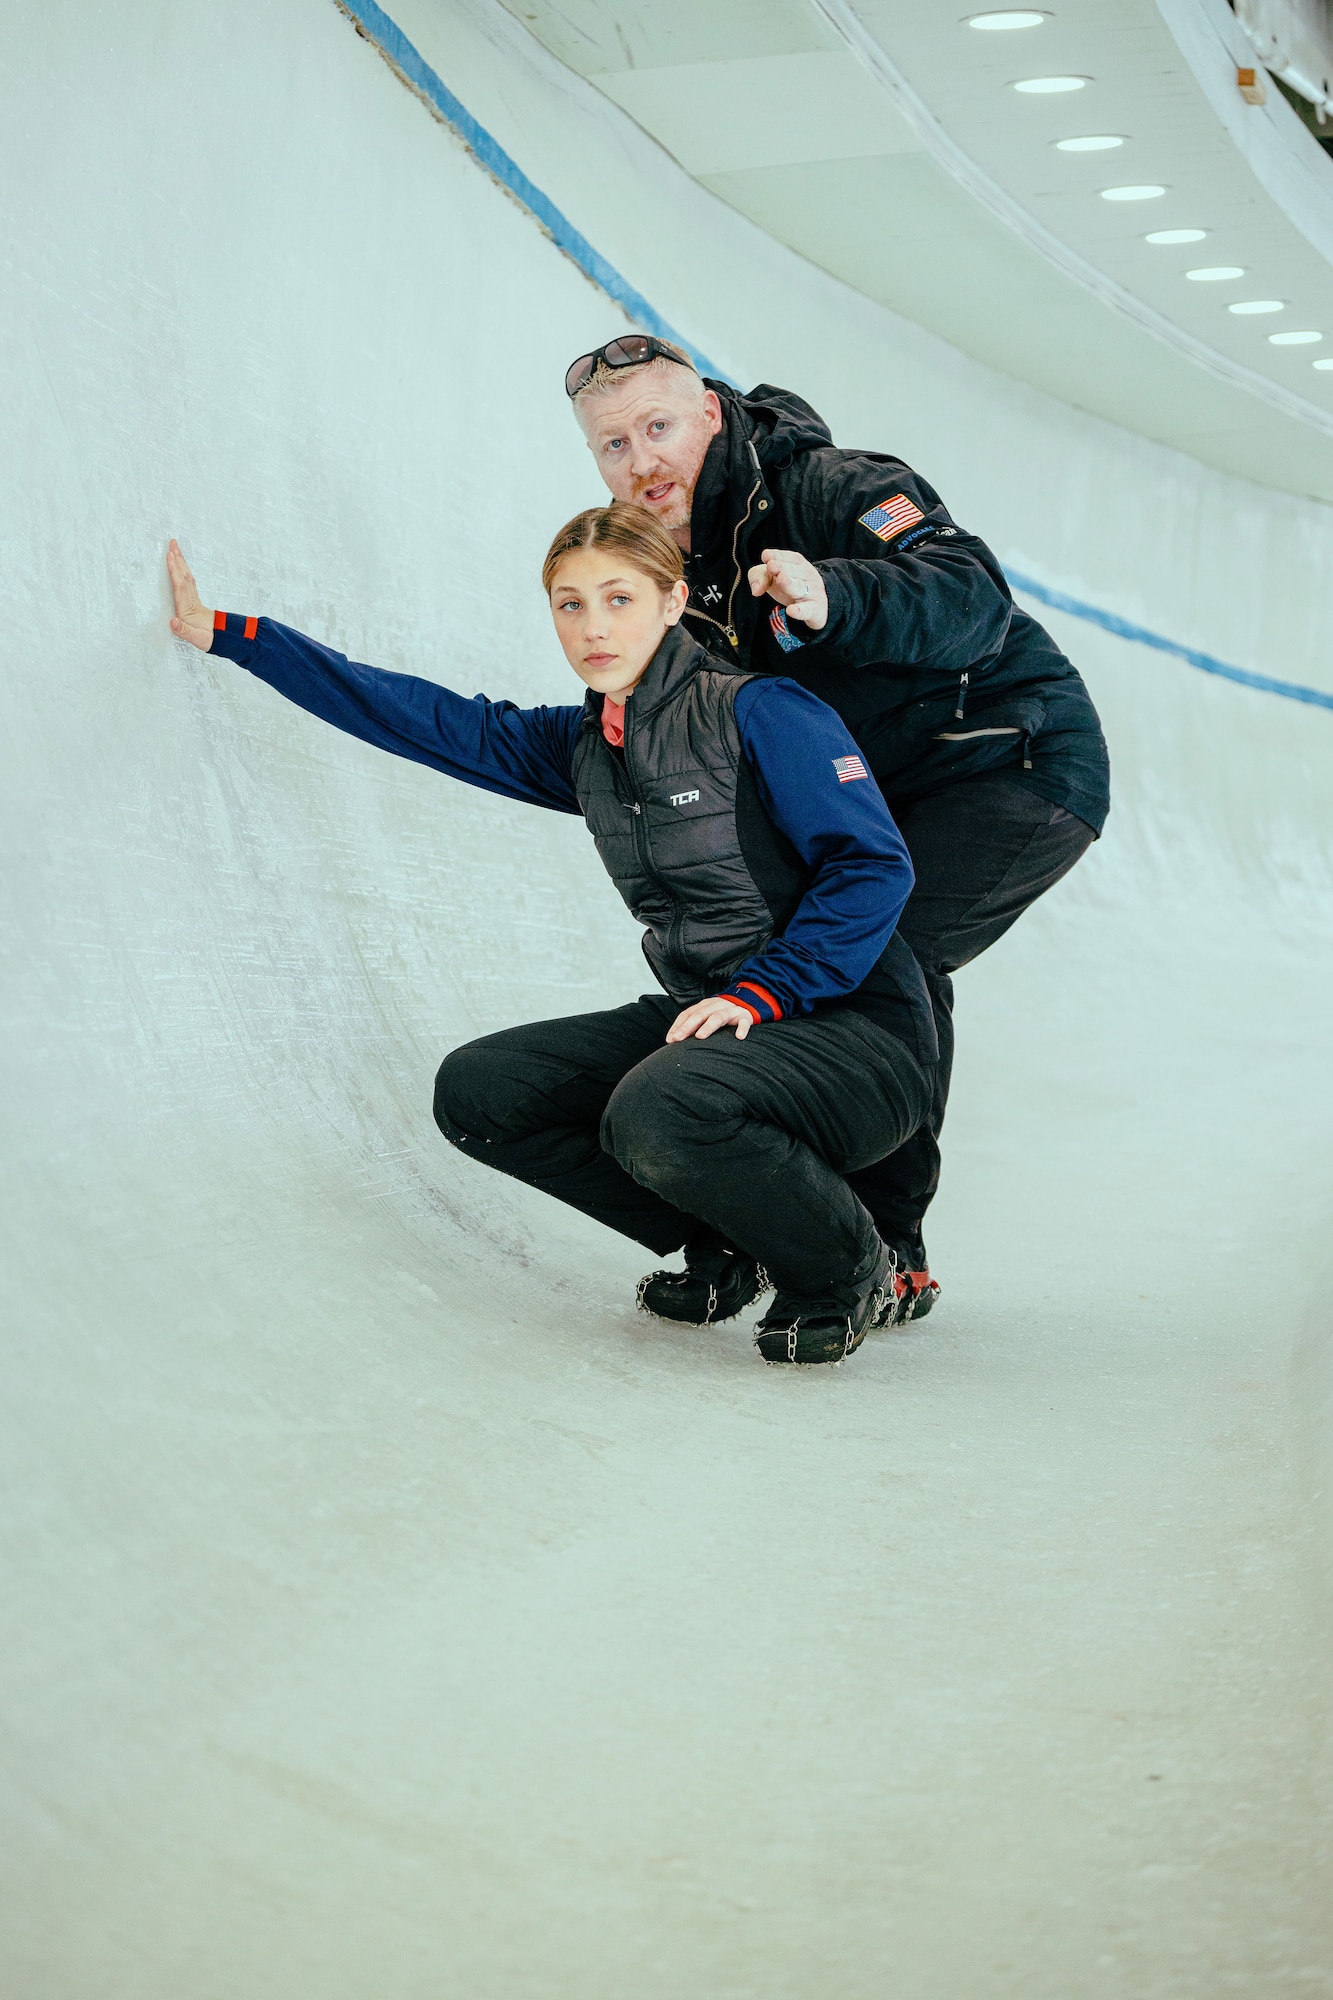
{"x": 610, "y": 618}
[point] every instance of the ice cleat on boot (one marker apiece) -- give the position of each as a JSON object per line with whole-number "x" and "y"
{"x": 914, "y": 1290}
{"x": 716, "y": 1284}
{"x": 829, "y": 1327}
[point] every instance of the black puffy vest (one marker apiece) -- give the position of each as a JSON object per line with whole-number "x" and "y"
{"x": 679, "y": 824}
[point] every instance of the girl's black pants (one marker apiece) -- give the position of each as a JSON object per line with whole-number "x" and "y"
{"x": 754, "y": 1139}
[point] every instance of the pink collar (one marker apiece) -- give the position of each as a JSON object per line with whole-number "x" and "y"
{"x": 613, "y": 722}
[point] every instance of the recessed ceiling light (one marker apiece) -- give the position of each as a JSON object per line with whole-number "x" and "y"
{"x": 1326, "y": 362}
{"x": 1176, "y": 236}
{"x": 1294, "y": 339}
{"x": 1132, "y": 193}
{"x": 1213, "y": 274}
{"x": 1102, "y": 143}
{"x": 1018, "y": 17}
{"x": 1048, "y": 86}
{"x": 1258, "y": 306}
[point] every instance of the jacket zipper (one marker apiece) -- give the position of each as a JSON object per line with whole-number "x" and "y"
{"x": 968, "y": 735}
{"x": 641, "y": 842}
{"x": 729, "y": 628}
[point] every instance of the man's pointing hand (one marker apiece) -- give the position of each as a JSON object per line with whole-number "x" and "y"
{"x": 796, "y": 584}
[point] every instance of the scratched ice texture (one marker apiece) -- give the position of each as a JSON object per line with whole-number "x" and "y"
{"x": 390, "y": 1610}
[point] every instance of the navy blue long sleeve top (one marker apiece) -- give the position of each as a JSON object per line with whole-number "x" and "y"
{"x": 807, "y": 769}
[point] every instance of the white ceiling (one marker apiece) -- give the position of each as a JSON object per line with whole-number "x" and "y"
{"x": 883, "y": 140}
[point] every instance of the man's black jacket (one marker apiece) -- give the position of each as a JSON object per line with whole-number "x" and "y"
{"x": 935, "y": 670}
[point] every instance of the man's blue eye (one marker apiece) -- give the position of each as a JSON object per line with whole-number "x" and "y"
{"x": 614, "y": 444}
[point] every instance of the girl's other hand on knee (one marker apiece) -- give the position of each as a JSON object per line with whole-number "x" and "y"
{"x": 705, "y": 1017}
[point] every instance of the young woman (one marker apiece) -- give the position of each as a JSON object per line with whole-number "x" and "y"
{"x": 793, "y": 1041}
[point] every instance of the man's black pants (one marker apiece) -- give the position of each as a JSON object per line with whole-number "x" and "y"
{"x": 983, "y": 851}
{"x": 754, "y": 1139}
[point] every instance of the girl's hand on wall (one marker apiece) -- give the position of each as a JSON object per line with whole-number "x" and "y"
{"x": 192, "y": 621}
{"x": 705, "y": 1017}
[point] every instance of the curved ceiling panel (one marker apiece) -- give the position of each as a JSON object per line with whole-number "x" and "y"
{"x": 1059, "y": 234}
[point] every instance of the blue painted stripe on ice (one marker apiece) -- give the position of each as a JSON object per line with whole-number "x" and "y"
{"x": 418, "y": 74}
{"x": 1141, "y": 636}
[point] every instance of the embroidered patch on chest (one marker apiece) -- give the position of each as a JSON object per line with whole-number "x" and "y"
{"x": 892, "y": 516}
{"x": 848, "y": 768}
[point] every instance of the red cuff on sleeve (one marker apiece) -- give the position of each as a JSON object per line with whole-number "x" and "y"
{"x": 224, "y": 621}
{"x": 736, "y": 1001}
{"x": 760, "y": 993}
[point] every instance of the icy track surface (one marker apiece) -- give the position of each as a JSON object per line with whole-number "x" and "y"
{"x": 391, "y": 1612}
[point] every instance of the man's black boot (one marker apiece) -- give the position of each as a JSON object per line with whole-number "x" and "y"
{"x": 717, "y": 1283}
{"x": 829, "y": 1327}
{"x": 914, "y": 1290}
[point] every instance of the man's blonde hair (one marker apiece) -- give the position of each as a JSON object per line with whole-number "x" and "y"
{"x": 605, "y": 377}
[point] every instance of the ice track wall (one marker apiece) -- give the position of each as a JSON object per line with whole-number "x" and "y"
{"x": 390, "y": 1611}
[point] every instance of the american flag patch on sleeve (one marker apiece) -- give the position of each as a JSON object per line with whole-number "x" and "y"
{"x": 848, "y": 768}
{"x": 781, "y": 630}
{"x": 892, "y": 516}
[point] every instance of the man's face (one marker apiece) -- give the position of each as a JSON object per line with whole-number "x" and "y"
{"x": 649, "y": 436}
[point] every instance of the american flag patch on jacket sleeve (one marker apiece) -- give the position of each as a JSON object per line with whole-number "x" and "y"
{"x": 892, "y": 516}
{"x": 781, "y": 630}
{"x": 848, "y": 768}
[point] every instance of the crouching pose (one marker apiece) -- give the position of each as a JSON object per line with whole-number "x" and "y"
{"x": 794, "y": 1041}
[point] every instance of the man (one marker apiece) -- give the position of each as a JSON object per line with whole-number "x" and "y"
{"x": 843, "y": 570}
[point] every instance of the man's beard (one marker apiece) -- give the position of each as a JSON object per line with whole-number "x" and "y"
{"x": 677, "y": 513}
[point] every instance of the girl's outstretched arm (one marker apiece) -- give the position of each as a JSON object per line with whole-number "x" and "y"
{"x": 521, "y": 753}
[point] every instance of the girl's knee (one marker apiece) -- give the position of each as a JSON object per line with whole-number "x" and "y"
{"x": 634, "y": 1120}
{"x": 464, "y": 1092}
{"x": 655, "y": 1119}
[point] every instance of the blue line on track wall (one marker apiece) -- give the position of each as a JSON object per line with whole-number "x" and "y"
{"x": 417, "y": 73}
{"x": 1141, "y": 636}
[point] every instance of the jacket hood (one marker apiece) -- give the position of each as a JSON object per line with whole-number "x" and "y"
{"x": 761, "y": 434}
{"x": 780, "y": 422}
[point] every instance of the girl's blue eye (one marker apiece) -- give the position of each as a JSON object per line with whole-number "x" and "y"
{"x": 569, "y": 604}
{"x": 621, "y": 597}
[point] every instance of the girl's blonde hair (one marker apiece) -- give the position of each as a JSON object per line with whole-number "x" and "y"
{"x": 629, "y": 531}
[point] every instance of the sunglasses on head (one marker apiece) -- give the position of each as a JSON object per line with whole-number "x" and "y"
{"x": 626, "y": 352}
